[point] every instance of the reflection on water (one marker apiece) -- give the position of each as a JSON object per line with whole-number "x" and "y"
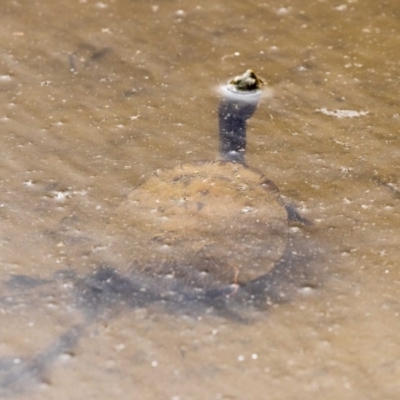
{"x": 95, "y": 96}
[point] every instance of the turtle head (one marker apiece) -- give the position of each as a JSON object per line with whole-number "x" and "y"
{"x": 248, "y": 82}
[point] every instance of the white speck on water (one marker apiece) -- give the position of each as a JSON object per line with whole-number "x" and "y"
{"x": 52, "y": 305}
{"x": 345, "y": 170}
{"x": 65, "y": 357}
{"x": 357, "y": 65}
{"x": 101, "y": 5}
{"x": 180, "y": 13}
{"x": 241, "y": 358}
{"x": 306, "y": 290}
{"x": 342, "y": 7}
{"x": 60, "y": 195}
{"x": 120, "y": 347}
{"x": 68, "y": 286}
{"x": 154, "y": 364}
{"x": 282, "y": 11}
{"x": 254, "y": 356}
{"x": 342, "y": 113}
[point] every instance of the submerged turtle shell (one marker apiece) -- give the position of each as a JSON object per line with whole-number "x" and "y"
{"x": 207, "y": 222}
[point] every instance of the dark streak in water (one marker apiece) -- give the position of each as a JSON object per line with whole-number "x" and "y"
{"x": 17, "y": 377}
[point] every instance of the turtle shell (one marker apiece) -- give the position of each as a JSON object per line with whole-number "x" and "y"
{"x": 218, "y": 222}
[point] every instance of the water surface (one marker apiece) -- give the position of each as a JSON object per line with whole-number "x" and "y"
{"x": 97, "y": 95}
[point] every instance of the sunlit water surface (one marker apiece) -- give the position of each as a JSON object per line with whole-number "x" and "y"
{"x": 97, "y": 95}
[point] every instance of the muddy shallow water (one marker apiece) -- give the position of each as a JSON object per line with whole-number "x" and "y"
{"x": 97, "y": 95}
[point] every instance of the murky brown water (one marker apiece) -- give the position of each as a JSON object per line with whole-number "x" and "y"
{"x": 96, "y": 95}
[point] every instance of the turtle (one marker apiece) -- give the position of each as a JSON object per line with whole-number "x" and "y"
{"x": 210, "y": 223}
